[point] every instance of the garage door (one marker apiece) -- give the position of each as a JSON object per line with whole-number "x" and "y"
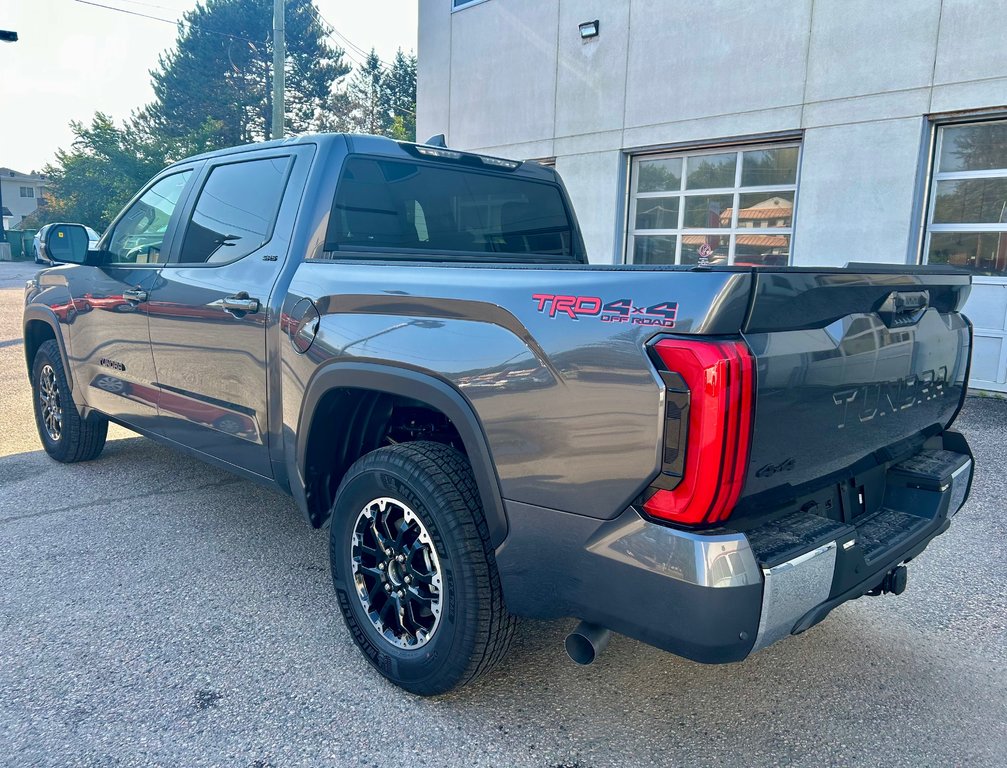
{"x": 967, "y": 228}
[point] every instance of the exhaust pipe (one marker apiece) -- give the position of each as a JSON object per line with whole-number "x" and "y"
{"x": 586, "y": 641}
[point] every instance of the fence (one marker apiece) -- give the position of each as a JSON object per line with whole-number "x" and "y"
{"x": 20, "y": 241}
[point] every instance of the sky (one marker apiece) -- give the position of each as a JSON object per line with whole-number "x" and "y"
{"x": 73, "y": 59}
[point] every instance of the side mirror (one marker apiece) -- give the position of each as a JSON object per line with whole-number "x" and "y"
{"x": 66, "y": 244}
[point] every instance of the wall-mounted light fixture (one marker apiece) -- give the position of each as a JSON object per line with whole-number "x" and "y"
{"x": 589, "y": 29}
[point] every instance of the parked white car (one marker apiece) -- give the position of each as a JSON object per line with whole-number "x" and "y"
{"x": 38, "y": 243}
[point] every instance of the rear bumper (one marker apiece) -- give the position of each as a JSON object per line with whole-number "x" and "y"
{"x": 716, "y": 597}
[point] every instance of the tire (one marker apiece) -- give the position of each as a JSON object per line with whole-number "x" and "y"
{"x": 65, "y": 435}
{"x": 451, "y": 634}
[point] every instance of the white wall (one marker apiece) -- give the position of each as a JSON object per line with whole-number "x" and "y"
{"x": 858, "y": 78}
{"x": 12, "y": 200}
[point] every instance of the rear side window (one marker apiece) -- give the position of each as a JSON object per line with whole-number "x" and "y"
{"x": 235, "y": 211}
{"x": 404, "y": 206}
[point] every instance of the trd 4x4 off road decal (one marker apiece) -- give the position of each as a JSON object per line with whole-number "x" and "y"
{"x": 662, "y": 314}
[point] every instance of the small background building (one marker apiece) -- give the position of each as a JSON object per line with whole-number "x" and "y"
{"x": 22, "y": 194}
{"x": 783, "y": 131}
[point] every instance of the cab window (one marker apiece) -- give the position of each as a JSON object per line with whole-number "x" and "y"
{"x": 417, "y": 208}
{"x": 139, "y": 234}
{"x": 235, "y": 211}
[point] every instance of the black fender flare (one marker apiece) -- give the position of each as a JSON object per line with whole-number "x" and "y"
{"x": 406, "y": 382}
{"x": 40, "y": 312}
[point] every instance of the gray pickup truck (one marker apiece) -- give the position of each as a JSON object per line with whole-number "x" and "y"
{"x": 409, "y": 340}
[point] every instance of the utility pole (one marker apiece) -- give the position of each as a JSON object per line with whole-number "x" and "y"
{"x": 279, "y": 58}
{"x": 6, "y": 36}
{"x": 3, "y": 234}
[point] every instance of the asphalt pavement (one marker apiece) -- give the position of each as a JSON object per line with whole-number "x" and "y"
{"x": 157, "y": 611}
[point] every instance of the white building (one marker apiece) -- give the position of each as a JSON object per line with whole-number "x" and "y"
{"x": 841, "y": 131}
{"x": 22, "y": 193}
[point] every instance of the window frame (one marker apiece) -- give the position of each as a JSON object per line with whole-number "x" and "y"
{"x": 196, "y": 193}
{"x": 26, "y": 192}
{"x": 461, "y": 5}
{"x": 731, "y": 232}
{"x": 935, "y": 175}
{"x": 427, "y": 255}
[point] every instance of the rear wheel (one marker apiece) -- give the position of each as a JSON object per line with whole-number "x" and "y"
{"x": 414, "y": 570}
{"x": 64, "y": 434}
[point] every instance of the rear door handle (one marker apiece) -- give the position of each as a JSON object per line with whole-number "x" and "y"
{"x": 239, "y": 303}
{"x": 134, "y": 295}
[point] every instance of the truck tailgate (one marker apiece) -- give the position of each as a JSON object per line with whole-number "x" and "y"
{"x": 851, "y": 365}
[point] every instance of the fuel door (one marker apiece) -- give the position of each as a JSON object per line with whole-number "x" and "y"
{"x": 302, "y": 325}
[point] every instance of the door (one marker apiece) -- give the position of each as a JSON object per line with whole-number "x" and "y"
{"x": 209, "y": 309}
{"x": 967, "y": 228}
{"x": 109, "y": 336}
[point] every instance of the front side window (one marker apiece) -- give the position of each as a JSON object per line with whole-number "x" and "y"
{"x": 235, "y": 211}
{"x": 28, "y": 192}
{"x": 409, "y": 207}
{"x": 967, "y": 220}
{"x": 727, "y": 206}
{"x": 139, "y": 234}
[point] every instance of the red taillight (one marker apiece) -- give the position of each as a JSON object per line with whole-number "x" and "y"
{"x": 712, "y": 391}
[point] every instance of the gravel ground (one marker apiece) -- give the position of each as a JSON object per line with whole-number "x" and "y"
{"x": 156, "y": 611}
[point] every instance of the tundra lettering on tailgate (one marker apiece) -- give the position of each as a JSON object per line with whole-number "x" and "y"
{"x": 662, "y": 314}
{"x": 889, "y": 397}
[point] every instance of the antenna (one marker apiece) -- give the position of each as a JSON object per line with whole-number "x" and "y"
{"x": 437, "y": 141}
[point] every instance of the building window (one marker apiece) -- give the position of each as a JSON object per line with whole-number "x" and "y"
{"x": 457, "y": 5}
{"x": 721, "y": 206}
{"x": 28, "y": 192}
{"x": 967, "y": 220}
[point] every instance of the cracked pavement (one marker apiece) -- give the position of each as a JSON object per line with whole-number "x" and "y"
{"x": 157, "y": 611}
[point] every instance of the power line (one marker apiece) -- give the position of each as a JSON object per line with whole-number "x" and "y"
{"x": 152, "y": 5}
{"x": 351, "y": 49}
{"x": 326, "y": 22}
{"x": 354, "y": 51}
{"x": 173, "y": 22}
{"x": 347, "y": 43}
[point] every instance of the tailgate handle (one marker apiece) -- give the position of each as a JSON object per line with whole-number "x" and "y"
{"x": 902, "y": 308}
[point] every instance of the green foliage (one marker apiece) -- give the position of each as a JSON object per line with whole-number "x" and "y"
{"x": 104, "y": 167}
{"x": 221, "y": 70}
{"x": 213, "y": 90}
{"x": 378, "y": 99}
{"x": 367, "y": 95}
{"x": 399, "y": 96}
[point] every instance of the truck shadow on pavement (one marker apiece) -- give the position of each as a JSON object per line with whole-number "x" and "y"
{"x": 149, "y": 577}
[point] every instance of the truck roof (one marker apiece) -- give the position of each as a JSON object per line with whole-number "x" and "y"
{"x": 362, "y": 143}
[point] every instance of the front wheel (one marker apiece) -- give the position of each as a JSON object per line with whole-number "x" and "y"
{"x": 414, "y": 570}
{"x": 65, "y": 435}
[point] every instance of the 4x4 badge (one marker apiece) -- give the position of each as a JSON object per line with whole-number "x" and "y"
{"x": 662, "y": 314}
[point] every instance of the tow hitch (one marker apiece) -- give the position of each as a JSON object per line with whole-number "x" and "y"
{"x": 894, "y": 582}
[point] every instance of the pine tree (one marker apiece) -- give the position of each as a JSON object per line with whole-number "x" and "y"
{"x": 399, "y": 96}
{"x": 366, "y": 96}
{"x": 220, "y": 72}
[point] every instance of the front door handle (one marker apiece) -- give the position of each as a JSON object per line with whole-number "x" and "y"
{"x": 134, "y": 295}
{"x": 240, "y": 302}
